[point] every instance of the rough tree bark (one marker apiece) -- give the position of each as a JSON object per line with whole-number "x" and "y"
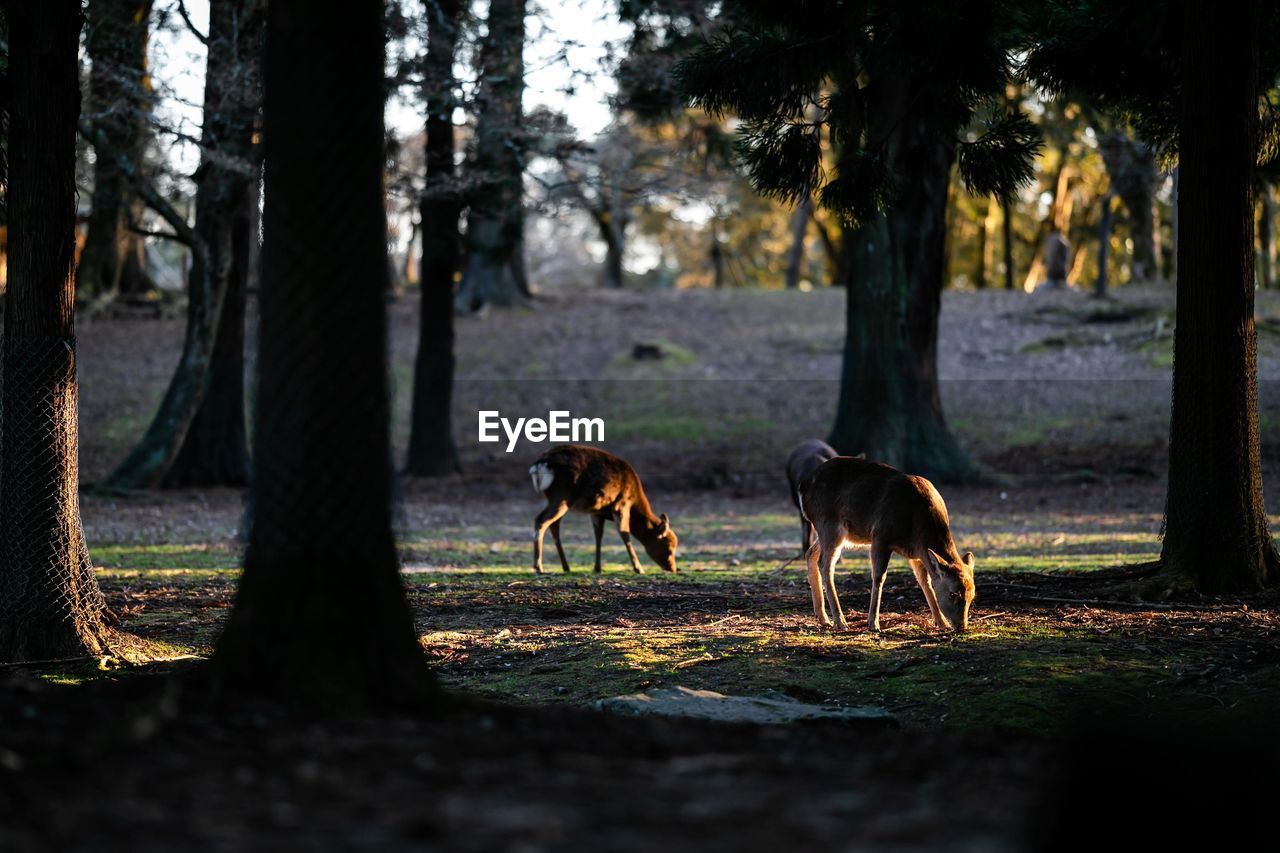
{"x": 1215, "y": 529}
{"x": 495, "y": 223}
{"x": 890, "y": 406}
{"x": 114, "y": 256}
{"x": 50, "y": 603}
{"x": 224, "y": 183}
{"x": 320, "y": 620}
{"x": 432, "y": 451}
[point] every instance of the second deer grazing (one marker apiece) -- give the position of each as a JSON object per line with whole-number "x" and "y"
{"x": 587, "y": 480}
{"x": 855, "y": 502}
{"x": 804, "y": 460}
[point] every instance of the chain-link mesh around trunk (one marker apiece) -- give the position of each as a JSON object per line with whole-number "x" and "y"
{"x": 47, "y": 585}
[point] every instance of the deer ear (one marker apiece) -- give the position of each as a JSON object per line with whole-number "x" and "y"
{"x": 937, "y": 561}
{"x": 968, "y": 559}
{"x": 666, "y": 523}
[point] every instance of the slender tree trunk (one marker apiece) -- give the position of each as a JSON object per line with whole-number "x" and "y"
{"x": 1266, "y": 237}
{"x": 984, "y": 246}
{"x": 1215, "y": 529}
{"x": 799, "y": 228}
{"x": 1104, "y": 247}
{"x": 432, "y": 451}
{"x": 890, "y": 406}
{"x": 114, "y": 258}
{"x": 830, "y": 248}
{"x": 495, "y": 224}
{"x": 1006, "y": 229}
{"x": 224, "y": 185}
{"x": 321, "y": 620}
{"x": 50, "y": 603}
{"x": 215, "y": 451}
{"x": 614, "y": 236}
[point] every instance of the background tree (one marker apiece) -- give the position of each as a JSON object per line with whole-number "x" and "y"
{"x": 1200, "y": 98}
{"x": 214, "y": 451}
{"x": 495, "y": 221}
{"x": 114, "y": 254}
{"x": 797, "y": 84}
{"x": 432, "y": 451}
{"x": 50, "y": 604}
{"x": 320, "y": 618}
{"x": 225, "y": 181}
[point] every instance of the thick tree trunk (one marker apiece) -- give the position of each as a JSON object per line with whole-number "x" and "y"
{"x": 114, "y": 258}
{"x": 890, "y": 406}
{"x": 432, "y": 451}
{"x": 1215, "y": 531}
{"x": 320, "y": 619}
{"x": 1006, "y": 232}
{"x": 50, "y": 603}
{"x": 224, "y": 185}
{"x": 1131, "y": 166}
{"x": 799, "y": 228}
{"x": 1104, "y": 247}
{"x": 495, "y": 224}
{"x": 215, "y": 451}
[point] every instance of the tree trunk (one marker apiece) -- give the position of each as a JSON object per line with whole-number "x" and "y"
{"x": 1104, "y": 247}
{"x": 799, "y": 228}
{"x": 1006, "y": 229}
{"x": 50, "y": 603}
{"x": 114, "y": 258}
{"x": 320, "y": 620}
{"x": 495, "y": 224}
{"x": 889, "y": 405}
{"x": 614, "y": 237}
{"x": 224, "y": 186}
{"x": 432, "y": 451}
{"x": 215, "y": 451}
{"x": 1215, "y": 529}
{"x": 1266, "y": 237}
{"x": 980, "y": 270}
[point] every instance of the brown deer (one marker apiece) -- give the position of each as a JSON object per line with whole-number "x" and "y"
{"x": 804, "y": 459}
{"x": 855, "y": 502}
{"x": 584, "y": 479}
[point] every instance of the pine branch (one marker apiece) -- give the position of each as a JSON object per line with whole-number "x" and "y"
{"x": 1001, "y": 160}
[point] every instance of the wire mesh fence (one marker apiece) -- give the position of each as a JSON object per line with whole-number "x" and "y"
{"x": 46, "y": 575}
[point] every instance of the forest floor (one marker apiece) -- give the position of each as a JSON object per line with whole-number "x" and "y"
{"x": 1064, "y": 397}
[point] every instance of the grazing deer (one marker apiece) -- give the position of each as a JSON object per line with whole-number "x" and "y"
{"x": 584, "y": 479}
{"x": 804, "y": 459}
{"x": 852, "y": 501}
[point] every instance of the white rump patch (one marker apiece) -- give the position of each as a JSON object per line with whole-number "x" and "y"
{"x": 542, "y": 476}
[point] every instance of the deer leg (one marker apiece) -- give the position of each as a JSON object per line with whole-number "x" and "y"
{"x": 555, "y": 537}
{"x": 550, "y": 513}
{"x": 880, "y": 555}
{"x": 635, "y": 561}
{"x": 828, "y": 567}
{"x": 930, "y": 597}
{"x": 597, "y": 523}
{"x": 806, "y": 535}
{"x": 812, "y": 555}
{"x": 624, "y": 530}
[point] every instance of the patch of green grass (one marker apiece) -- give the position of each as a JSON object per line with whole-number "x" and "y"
{"x": 165, "y": 556}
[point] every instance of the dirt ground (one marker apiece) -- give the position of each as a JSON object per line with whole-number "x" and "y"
{"x": 1065, "y": 397}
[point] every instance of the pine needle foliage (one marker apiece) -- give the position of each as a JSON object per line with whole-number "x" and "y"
{"x": 806, "y": 81}
{"x": 1125, "y": 56}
